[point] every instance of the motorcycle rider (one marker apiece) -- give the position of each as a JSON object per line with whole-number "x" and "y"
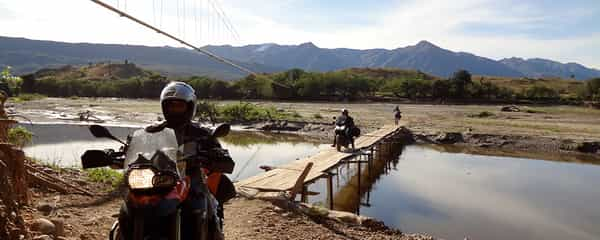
{"x": 178, "y": 104}
{"x": 397, "y": 114}
{"x": 345, "y": 120}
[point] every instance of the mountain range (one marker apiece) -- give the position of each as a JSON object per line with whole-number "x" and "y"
{"x": 26, "y": 56}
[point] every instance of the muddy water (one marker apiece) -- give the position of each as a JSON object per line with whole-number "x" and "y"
{"x": 63, "y": 145}
{"x": 457, "y": 195}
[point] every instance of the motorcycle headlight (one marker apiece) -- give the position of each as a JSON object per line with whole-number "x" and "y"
{"x": 140, "y": 178}
{"x": 164, "y": 181}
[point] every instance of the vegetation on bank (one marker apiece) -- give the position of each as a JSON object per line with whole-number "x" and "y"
{"x": 241, "y": 112}
{"x": 19, "y": 136}
{"x": 296, "y": 84}
{"x": 105, "y": 175}
{"x": 10, "y": 84}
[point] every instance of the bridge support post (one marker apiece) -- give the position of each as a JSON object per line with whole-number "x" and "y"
{"x": 330, "y": 190}
{"x": 366, "y": 156}
{"x": 304, "y": 195}
{"x": 359, "y": 198}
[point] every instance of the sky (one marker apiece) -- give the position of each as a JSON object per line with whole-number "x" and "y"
{"x": 561, "y": 30}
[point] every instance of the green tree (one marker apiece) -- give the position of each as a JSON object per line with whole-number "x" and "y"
{"x": 539, "y": 92}
{"x": 440, "y": 89}
{"x": 460, "y": 80}
{"x": 592, "y": 89}
{"x": 10, "y": 82}
{"x": 309, "y": 87}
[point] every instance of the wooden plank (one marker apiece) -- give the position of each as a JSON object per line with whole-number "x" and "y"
{"x": 299, "y": 186}
{"x": 285, "y": 177}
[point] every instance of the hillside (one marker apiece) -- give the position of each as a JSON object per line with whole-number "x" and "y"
{"x": 539, "y": 68}
{"x": 568, "y": 87}
{"x": 99, "y": 71}
{"x": 26, "y": 56}
{"x": 423, "y": 56}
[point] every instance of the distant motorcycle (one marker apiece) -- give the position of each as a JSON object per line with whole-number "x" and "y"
{"x": 157, "y": 186}
{"x": 344, "y": 134}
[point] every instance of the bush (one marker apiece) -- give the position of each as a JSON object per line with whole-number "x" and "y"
{"x": 105, "y": 175}
{"x": 28, "y": 97}
{"x": 541, "y": 93}
{"x": 207, "y": 111}
{"x": 19, "y": 136}
{"x": 246, "y": 112}
{"x": 483, "y": 114}
{"x": 11, "y": 83}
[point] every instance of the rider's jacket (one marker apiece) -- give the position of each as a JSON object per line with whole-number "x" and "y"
{"x": 195, "y": 140}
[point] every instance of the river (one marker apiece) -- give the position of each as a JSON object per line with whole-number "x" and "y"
{"x": 419, "y": 189}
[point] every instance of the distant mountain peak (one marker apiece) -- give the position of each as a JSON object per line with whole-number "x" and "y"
{"x": 426, "y": 44}
{"x": 308, "y": 45}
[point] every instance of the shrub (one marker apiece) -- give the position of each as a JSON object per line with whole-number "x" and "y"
{"x": 19, "y": 136}
{"x": 105, "y": 175}
{"x": 483, "y": 114}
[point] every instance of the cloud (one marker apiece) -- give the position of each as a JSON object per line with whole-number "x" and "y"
{"x": 559, "y": 30}
{"x": 6, "y": 13}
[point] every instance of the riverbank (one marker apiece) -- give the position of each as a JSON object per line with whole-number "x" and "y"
{"x": 90, "y": 217}
{"x": 543, "y": 129}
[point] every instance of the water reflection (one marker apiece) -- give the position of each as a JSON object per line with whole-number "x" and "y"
{"x": 253, "y": 149}
{"x": 454, "y": 195}
{"x": 63, "y": 145}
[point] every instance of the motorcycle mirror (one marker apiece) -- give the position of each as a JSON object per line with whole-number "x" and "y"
{"x": 222, "y": 130}
{"x": 102, "y": 132}
{"x": 94, "y": 159}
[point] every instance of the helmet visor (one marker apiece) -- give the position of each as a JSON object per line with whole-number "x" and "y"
{"x": 176, "y": 107}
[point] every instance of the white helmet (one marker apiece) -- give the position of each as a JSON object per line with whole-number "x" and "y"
{"x": 344, "y": 111}
{"x": 178, "y": 91}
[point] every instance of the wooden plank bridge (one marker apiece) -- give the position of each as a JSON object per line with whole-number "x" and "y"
{"x": 295, "y": 176}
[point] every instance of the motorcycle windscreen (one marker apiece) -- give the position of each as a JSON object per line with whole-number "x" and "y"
{"x": 149, "y": 144}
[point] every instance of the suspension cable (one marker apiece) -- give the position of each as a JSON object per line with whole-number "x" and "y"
{"x": 207, "y": 53}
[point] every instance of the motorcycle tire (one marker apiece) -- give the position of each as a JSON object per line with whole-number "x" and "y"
{"x": 115, "y": 232}
{"x": 214, "y": 232}
{"x": 338, "y": 145}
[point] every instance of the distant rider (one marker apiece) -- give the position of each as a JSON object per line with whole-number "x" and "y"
{"x": 397, "y": 114}
{"x": 345, "y": 120}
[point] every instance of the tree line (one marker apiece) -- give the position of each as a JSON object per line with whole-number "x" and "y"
{"x": 297, "y": 84}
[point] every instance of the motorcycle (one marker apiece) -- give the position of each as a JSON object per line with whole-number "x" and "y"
{"x": 344, "y": 135}
{"x": 158, "y": 185}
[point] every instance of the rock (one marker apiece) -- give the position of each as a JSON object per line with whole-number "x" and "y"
{"x": 86, "y": 236}
{"x": 589, "y": 147}
{"x": 59, "y": 226}
{"x": 511, "y": 108}
{"x": 49, "y": 171}
{"x": 45, "y": 208}
{"x": 43, "y": 225}
{"x": 42, "y": 237}
{"x": 450, "y": 138}
{"x": 291, "y": 126}
{"x": 345, "y": 217}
